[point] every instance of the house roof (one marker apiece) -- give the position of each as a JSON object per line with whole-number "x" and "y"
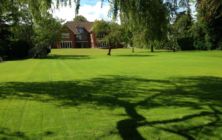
{"x": 72, "y": 25}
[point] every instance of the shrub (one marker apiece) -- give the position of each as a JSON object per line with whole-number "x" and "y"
{"x": 200, "y": 45}
{"x": 18, "y": 50}
{"x": 220, "y": 45}
{"x": 39, "y": 52}
{"x": 3, "y": 47}
{"x": 171, "y": 45}
{"x": 186, "y": 43}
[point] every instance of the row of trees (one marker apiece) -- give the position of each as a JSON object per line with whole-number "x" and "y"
{"x": 168, "y": 24}
{"x": 201, "y": 33}
{"x": 208, "y": 29}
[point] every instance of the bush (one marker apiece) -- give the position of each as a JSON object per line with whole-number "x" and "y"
{"x": 171, "y": 45}
{"x": 220, "y": 45}
{"x": 39, "y": 52}
{"x": 18, "y": 50}
{"x": 200, "y": 45}
{"x": 186, "y": 43}
{"x": 203, "y": 44}
{"x": 3, "y": 47}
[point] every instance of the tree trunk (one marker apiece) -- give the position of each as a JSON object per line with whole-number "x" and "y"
{"x": 133, "y": 50}
{"x": 110, "y": 49}
{"x": 152, "y": 49}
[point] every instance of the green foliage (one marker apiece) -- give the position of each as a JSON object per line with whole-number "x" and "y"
{"x": 80, "y": 18}
{"x": 46, "y": 31}
{"x": 202, "y": 40}
{"x": 209, "y": 21}
{"x": 4, "y": 38}
{"x": 101, "y": 27}
{"x": 179, "y": 32}
{"x": 186, "y": 43}
{"x": 110, "y": 32}
{"x": 148, "y": 15}
{"x": 115, "y": 36}
{"x": 220, "y": 45}
{"x": 139, "y": 39}
{"x": 183, "y": 24}
{"x": 18, "y": 50}
{"x": 23, "y": 30}
{"x": 26, "y": 21}
{"x": 46, "y": 34}
{"x": 7, "y": 20}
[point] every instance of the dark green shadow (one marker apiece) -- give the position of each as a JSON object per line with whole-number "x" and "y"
{"x": 63, "y": 57}
{"x": 116, "y": 91}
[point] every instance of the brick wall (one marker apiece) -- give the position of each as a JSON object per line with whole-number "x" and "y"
{"x": 72, "y": 37}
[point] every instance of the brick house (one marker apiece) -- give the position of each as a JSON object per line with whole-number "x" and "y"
{"x": 77, "y": 35}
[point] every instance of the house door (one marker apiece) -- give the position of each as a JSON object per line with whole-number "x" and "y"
{"x": 66, "y": 44}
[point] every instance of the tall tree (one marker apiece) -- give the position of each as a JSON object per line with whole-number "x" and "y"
{"x": 148, "y": 15}
{"x": 8, "y": 18}
{"x": 109, "y": 33}
{"x": 210, "y": 17}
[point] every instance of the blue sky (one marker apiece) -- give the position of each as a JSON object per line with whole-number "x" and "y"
{"x": 89, "y": 2}
{"x": 92, "y": 2}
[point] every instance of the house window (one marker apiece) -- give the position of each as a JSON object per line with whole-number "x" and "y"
{"x": 65, "y": 35}
{"x": 80, "y": 30}
{"x": 66, "y": 44}
{"x": 82, "y": 34}
{"x": 79, "y": 37}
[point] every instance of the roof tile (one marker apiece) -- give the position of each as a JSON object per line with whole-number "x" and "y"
{"x": 72, "y": 25}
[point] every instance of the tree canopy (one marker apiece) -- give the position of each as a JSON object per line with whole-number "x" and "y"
{"x": 210, "y": 21}
{"x": 80, "y": 18}
{"x": 25, "y": 24}
{"x": 109, "y": 33}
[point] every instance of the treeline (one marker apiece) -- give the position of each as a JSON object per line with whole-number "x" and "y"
{"x": 200, "y": 32}
{"x": 174, "y": 26}
{"x": 27, "y": 29}
{"x": 168, "y": 24}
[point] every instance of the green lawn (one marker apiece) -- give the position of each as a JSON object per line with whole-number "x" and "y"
{"x": 80, "y": 94}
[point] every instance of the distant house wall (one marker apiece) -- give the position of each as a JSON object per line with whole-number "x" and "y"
{"x": 66, "y": 35}
{"x": 76, "y": 37}
{"x": 83, "y": 38}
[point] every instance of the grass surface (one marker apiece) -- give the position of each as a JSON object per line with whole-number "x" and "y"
{"x": 84, "y": 94}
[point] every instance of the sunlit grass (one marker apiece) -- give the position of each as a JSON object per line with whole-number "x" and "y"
{"x": 85, "y": 94}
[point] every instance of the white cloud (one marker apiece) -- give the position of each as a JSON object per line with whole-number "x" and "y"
{"x": 91, "y": 12}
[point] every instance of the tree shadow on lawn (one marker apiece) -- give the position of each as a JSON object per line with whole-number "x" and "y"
{"x": 136, "y": 55}
{"x": 63, "y": 57}
{"x": 202, "y": 95}
{"x": 7, "y": 134}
